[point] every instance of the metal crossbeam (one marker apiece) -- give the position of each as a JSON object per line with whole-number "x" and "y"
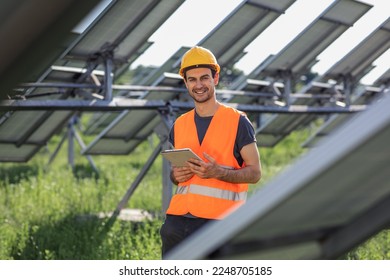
{"x": 120, "y": 104}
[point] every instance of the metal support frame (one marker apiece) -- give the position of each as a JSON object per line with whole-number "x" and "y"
{"x": 71, "y": 143}
{"x": 71, "y": 134}
{"x": 138, "y": 179}
{"x": 120, "y": 104}
{"x": 162, "y": 131}
{"x": 348, "y": 88}
{"x": 274, "y": 91}
{"x": 164, "y": 108}
{"x": 287, "y": 77}
{"x": 108, "y": 78}
{"x": 81, "y": 143}
{"x": 53, "y": 156}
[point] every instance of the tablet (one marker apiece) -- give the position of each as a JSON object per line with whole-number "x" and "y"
{"x": 178, "y": 157}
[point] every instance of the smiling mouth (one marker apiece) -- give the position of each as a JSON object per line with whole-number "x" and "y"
{"x": 199, "y": 91}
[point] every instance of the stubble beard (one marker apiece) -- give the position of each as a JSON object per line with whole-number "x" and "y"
{"x": 206, "y": 96}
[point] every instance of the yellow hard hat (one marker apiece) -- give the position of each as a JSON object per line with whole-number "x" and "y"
{"x": 198, "y": 57}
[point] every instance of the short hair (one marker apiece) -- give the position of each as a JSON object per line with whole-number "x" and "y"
{"x": 211, "y": 67}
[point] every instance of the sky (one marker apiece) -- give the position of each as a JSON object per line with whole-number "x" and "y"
{"x": 194, "y": 19}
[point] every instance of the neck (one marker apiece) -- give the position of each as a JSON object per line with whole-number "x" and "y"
{"x": 207, "y": 109}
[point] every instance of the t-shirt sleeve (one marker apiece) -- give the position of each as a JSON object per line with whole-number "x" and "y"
{"x": 245, "y": 133}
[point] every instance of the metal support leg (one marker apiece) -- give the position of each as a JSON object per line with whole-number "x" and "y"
{"x": 108, "y": 79}
{"x": 52, "y": 157}
{"x": 287, "y": 88}
{"x": 71, "y": 134}
{"x": 163, "y": 132}
{"x": 82, "y": 145}
{"x": 71, "y": 144}
{"x": 137, "y": 180}
{"x": 348, "y": 87}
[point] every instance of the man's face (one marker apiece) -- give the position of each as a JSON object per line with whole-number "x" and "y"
{"x": 201, "y": 84}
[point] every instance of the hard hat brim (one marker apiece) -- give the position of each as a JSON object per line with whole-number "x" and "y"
{"x": 214, "y": 67}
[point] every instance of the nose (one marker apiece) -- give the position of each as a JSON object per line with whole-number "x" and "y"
{"x": 198, "y": 83}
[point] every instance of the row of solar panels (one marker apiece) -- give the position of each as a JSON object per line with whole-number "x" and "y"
{"x": 114, "y": 40}
{"x": 120, "y": 33}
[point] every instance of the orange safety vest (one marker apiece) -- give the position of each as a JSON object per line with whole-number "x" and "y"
{"x": 209, "y": 198}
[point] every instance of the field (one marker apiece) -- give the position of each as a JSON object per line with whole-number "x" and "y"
{"x": 51, "y": 212}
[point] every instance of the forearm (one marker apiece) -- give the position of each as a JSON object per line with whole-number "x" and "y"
{"x": 247, "y": 174}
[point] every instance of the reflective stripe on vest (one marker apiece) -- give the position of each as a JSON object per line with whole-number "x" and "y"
{"x": 212, "y": 192}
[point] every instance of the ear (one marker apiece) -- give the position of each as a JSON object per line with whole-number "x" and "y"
{"x": 216, "y": 78}
{"x": 185, "y": 82}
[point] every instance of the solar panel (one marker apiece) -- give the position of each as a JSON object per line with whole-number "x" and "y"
{"x": 228, "y": 40}
{"x": 110, "y": 44}
{"x": 276, "y": 127}
{"x": 358, "y": 61}
{"x": 122, "y": 29}
{"x": 11, "y": 153}
{"x": 256, "y": 92}
{"x": 101, "y": 120}
{"x": 167, "y": 67}
{"x": 113, "y": 33}
{"x": 364, "y": 95}
{"x": 130, "y": 128}
{"x": 297, "y": 58}
{"x": 384, "y": 79}
{"x": 33, "y": 30}
{"x": 332, "y": 199}
{"x": 350, "y": 69}
{"x": 300, "y": 54}
{"x": 243, "y": 13}
{"x": 19, "y": 142}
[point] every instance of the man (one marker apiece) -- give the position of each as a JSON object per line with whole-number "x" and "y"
{"x": 224, "y": 138}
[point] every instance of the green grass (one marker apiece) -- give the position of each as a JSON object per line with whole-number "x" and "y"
{"x": 42, "y": 214}
{"x": 52, "y": 213}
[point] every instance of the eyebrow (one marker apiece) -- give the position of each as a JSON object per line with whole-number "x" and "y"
{"x": 205, "y": 75}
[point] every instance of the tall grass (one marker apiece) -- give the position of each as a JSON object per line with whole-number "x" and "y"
{"x": 52, "y": 213}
